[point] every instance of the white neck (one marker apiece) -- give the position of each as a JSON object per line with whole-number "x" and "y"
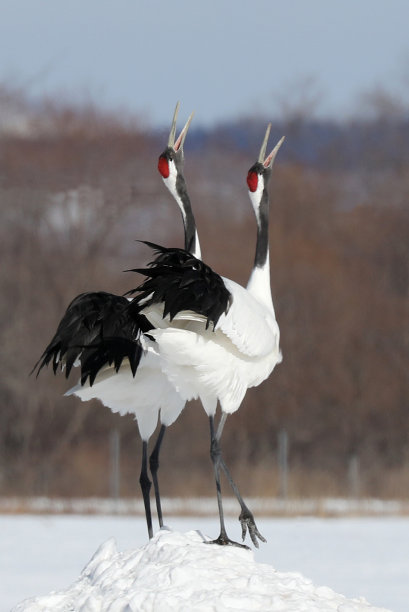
{"x": 259, "y": 285}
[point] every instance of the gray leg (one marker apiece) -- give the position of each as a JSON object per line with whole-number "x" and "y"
{"x": 154, "y": 466}
{"x": 146, "y": 487}
{"x": 246, "y": 517}
{"x": 215, "y": 454}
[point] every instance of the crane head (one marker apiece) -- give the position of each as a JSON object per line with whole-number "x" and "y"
{"x": 260, "y": 171}
{"x": 172, "y": 157}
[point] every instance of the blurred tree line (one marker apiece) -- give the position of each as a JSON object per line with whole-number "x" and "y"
{"x": 78, "y": 187}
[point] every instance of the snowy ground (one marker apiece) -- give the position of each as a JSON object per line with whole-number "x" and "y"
{"x": 355, "y": 557}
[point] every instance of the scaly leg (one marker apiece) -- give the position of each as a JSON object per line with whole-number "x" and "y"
{"x": 215, "y": 454}
{"x": 246, "y": 517}
{"x": 154, "y": 466}
{"x": 146, "y": 487}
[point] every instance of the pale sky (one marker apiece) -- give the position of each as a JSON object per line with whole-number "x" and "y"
{"x": 222, "y": 59}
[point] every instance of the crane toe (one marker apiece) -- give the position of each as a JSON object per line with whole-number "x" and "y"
{"x": 248, "y": 524}
{"x": 224, "y": 540}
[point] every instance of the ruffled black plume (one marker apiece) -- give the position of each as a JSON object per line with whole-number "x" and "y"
{"x": 182, "y": 282}
{"x": 99, "y": 330}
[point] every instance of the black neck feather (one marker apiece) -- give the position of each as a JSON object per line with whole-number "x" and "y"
{"x": 189, "y": 222}
{"x": 262, "y": 232}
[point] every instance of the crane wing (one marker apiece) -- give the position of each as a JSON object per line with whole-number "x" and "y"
{"x": 249, "y": 325}
{"x": 180, "y": 290}
{"x": 181, "y": 283}
{"x": 96, "y": 330}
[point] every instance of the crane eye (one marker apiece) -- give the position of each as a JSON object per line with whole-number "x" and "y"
{"x": 252, "y": 181}
{"x": 163, "y": 166}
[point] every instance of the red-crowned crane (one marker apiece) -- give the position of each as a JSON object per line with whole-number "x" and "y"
{"x": 215, "y": 362}
{"x": 102, "y": 336}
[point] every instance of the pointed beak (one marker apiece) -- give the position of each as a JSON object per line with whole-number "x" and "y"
{"x": 180, "y": 141}
{"x": 264, "y": 145}
{"x": 268, "y": 162}
{"x": 172, "y": 133}
{"x": 178, "y": 144}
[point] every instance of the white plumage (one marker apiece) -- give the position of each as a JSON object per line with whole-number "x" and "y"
{"x": 242, "y": 350}
{"x": 114, "y": 369}
{"x": 220, "y": 364}
{"x": 147, "y": 393}
{"x": 187, "y": 334}
{"x": 143, "y": 395}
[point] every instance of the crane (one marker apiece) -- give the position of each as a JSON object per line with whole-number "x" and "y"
{"x": 219, "y": 362}
{"x": 100, "y": 334}
{"x": 110, "y": 338}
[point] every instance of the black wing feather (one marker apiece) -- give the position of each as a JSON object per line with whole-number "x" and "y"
{"x": 182, "y": 282}
{"x": 98, "y": 329}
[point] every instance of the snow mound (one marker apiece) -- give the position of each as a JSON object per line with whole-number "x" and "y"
{"x": 181, "y": 572}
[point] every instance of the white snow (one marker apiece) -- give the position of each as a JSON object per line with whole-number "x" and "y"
{"x": 356, "y": 557}
{"x": 182, "y": 572}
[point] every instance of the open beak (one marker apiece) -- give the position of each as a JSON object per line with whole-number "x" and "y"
{"x": 269, "y": 160}
{"x": 178, "y": 144}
